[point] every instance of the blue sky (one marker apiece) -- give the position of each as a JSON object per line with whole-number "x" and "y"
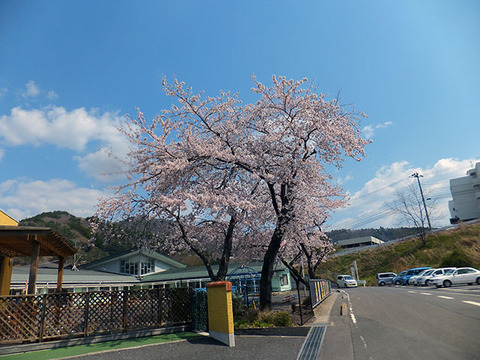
{"x": 71, "y": 70}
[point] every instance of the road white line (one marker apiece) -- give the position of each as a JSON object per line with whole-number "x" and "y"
{"x": 425, "y": 294}
{"x": 350, "y": 307}
{"x": 446, "y": 297}
{"x": 472, "y": 303}
{"x": 412, "y": 292}
{"x": 364, "y": 342}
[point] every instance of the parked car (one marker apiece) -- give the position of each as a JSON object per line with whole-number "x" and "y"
{"x": 411, "y": 272}
{"x": 435, "y": 272}
{"x": 413, "y": 280}
{"x": 398, "y": 280}
{"x": 346, "y": 281}
{"x": 462, "y": 275}
{"x": 385, "y": 278}
{"x": 421, "y": 278}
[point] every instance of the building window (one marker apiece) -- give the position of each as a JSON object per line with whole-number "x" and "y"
{"x": 284, "y": 280}
{"x": 147, "y": 267}
{"x": 129, "y": 267}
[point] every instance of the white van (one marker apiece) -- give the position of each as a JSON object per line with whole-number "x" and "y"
{"x": 346, "y": 281}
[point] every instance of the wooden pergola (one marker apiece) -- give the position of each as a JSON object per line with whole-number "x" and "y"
{"x": 34, "y": 242}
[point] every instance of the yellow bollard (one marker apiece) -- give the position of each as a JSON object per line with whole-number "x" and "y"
{"x": 220, "y": 312}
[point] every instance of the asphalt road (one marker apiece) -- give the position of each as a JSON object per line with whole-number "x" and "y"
{"x": 410, "y": 323}
{"x": 246, "y": 347}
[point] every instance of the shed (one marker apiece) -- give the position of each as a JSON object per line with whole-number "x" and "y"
{"x": 23, "y": 241}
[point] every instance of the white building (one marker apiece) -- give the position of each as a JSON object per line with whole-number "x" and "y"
{"x": 466, "y": 196}
{"x": 361, "y": 241}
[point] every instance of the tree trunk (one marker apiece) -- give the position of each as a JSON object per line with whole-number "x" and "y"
{"x": 227, "y": 251}
{"x": 268, "y": 263}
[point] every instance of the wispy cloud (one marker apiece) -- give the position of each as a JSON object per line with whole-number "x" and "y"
{"x": 3, "y": 92}
{"x": 32, "y": 90}
{"x": 369, "y": 130}
{"x": 52, "y": 95}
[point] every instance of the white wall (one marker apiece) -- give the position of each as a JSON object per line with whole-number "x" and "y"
{"x": 466, "y": 195}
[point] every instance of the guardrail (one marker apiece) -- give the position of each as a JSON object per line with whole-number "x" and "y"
{"x": 319, "y": 291}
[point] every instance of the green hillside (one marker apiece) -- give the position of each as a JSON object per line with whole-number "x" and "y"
{"x": 73, "y": 228}
{"x": 455, "y": 247}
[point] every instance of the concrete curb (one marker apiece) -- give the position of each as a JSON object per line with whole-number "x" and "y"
{"x": 281, "y": 331}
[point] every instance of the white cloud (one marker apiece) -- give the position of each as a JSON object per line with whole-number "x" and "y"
{"x": 369, "y": 130}
{"x": 367, "y": 207}
{"x": 79, "y": 130}
{"x": 102, "y": 166}
{"x": 2, "y": 153}
{"x": 56, "y": 126}
{"x": 22, "y": 198}
{"x": 32, "y": 90}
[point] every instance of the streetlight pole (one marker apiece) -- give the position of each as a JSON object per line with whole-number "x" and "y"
{"x": 416, "y": 175}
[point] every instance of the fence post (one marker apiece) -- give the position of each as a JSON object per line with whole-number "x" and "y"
{"x": 160, "y": 306}
{"x": 125, "y": 309}
{"x": 86, "y": 314}
{"x": 42, "y": 317}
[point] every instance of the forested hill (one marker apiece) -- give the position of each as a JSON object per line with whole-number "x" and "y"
{"x": 77, "y": 231}
{"x": 72, "y": 228}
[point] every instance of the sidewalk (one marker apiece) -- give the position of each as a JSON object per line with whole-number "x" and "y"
{"x": 337, "y": 343}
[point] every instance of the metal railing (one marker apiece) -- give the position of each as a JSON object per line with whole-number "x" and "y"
{"x": 319, "y": 291}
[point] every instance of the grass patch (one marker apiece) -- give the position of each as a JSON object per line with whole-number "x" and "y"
{"x": 99, "y": 347}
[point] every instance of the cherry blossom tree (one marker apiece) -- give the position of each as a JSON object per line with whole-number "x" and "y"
{"x": 174, "y": 177}
{"x": 311, "y": 249}
{"x": 298, "y": 136}
{"x": 255, "y": 175}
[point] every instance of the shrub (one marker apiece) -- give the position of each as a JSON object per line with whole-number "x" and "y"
{"x": 456, "y": 258}
{"x": 263, "y": 319}
{"x": 283, "y": 318}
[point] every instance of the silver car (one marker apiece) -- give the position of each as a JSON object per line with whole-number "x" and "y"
{"x": 434, "y": 273}
{"x": 413, "y": 280}
{"x": 420, "y": 278}
{"x": 346, "y": 281}
{"x": 385, "y": 278}
{"x": 463, "y": 275}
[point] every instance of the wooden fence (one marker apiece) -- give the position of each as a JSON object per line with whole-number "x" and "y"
{"x": 55, "y": 316}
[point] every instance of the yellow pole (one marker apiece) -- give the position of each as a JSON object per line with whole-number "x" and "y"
{"x": 220, "y": 312}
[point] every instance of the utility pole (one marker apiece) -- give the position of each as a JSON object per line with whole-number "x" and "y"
{"x": 416, "y": 175}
